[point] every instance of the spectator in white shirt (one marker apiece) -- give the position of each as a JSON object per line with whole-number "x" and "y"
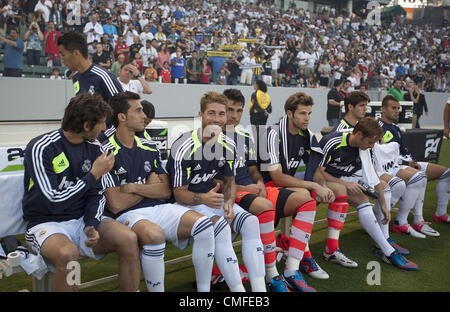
{"x": 129, "y": 33}
{"x": 146, "y": 34}
{"x": 148, "y": 53}
{"x": 93, "y": 30}
{"x": 246, "y": 74}
{"x": 44, "y": 6}
{"x": 128, "y": 71}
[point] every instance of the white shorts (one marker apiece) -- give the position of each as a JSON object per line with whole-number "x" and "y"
{"x": 73, "y": 229}
{"x": 166, "y": 216}
{"x": 213, "y": 212}
{"x": 353, "y": 178}
{"x": 246, "y": 77}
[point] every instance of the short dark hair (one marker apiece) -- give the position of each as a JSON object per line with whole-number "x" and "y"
{"x": 72, "y": 41}
{"x": 337, "y": 82}
{"x": 235, "y": 95}
{"x": 296, "y": 99}
{"x": 369, "y": 127}
{"x": 354, "y": 98}
{"x": 387, "y": 98}
{"x": 85, "y": 107}
{"x": 119, "y": 104}
{"x": 261, "y": 85}
{"x": 148, "y": 108}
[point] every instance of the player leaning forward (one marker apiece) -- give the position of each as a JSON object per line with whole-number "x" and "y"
{"x": 64, "y": 202}
{"x": 198, "y": 157}
{"x": 136, "y": 190}
{"x": 347, "y": 159}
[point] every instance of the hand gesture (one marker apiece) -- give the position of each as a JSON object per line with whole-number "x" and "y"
{"x": 214, "y": 199}
{"x": 102, "y": 164}
{"x": 228, "y": 212}
{"x": 92, "y": 236}
{"x": 324, "y": 194}
{"x": 353, "y": 188}
{"x": 386, "y": 214}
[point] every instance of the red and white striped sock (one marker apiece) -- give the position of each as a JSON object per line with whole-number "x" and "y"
{"x": 336, "y": 214}
{"x": 266, "y": 228}
{"x": 300, "y": 233}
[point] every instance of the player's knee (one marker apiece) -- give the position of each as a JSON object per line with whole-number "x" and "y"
{"x": 338, "y": 189}
{"x": 152, "y": 235}
{"x": 65, "y": 255}
{"x": 263, "y": 205}
{"x": 302, "y": 195}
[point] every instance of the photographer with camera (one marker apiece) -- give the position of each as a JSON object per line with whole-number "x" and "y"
{"x": 34, "y": 38}
{"x": 233, "y": 67}
{"x": 93, "y": 30}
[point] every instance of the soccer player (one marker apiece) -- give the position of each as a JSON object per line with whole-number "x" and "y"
{"x": 135, "y": 192}
{"x": 252, "y": 195}
{"x": 288, "y": 144}
{"x": 196, "y": 158}
{"x": 87, "y": 77}
{"x": 63, "y": 201}
{"x": 355, "y": 104}
{"x": 346, "y": 160}
{"x": 392, "y": 133}
{"x": 355, "y": 109}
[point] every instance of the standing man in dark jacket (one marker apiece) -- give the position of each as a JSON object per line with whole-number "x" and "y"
{"x": 334, "y": 99}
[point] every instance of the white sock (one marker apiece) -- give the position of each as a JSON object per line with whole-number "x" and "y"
{"x": 226, "y": 257}
{"x": 443, "y": 193}
{"x": 203, "y": 252}
{"x": 409, "y": 198}
{"x": 292, "y": 265}
{"x": 379, "y": 214}
{"x": 252, "y": 249}
{"x": 398, "y": 187}
{"x": 369, "y": 224}
{"x": 418, "y": 205}
{"x": 271, "y": 272}
{"x": 152, "y": 261}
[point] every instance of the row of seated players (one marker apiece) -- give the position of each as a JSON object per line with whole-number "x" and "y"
{"x": 84, "y": 198}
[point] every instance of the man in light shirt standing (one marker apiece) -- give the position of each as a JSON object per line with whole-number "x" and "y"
{"x": 93, "y": 30}
{"x": 128, "y": 71}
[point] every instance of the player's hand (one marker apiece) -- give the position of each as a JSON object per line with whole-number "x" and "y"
{"x": 213, "y": 199}
{"x": 262, "y": 190}
{"x": 324, "y": 194}
{"x": 92, "y": 236}
{"x": 228, "y": 212}
{"x": 127, "y": 188}
{"x": 103, "y": 164}
{"x": 353, "y": 188}
{"x": 386, "y": 214}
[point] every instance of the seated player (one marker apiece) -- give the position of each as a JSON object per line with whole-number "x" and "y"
{"x": 63, "y": 201}
{"x": 252, "y": 195}
{"x": 355, "y": 107}
{"x": 415, "y": 176}
{"x": 355, "y": 104}
{"x": 136, "y": 188}
{"x": 149, "y": 111}
{"x": 196, "y": 158}
{"x": 347, "y": 160}
{"x": 288, "y": 144}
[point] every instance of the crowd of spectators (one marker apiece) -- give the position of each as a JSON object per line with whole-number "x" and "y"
{"x": 175, "y": 41}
